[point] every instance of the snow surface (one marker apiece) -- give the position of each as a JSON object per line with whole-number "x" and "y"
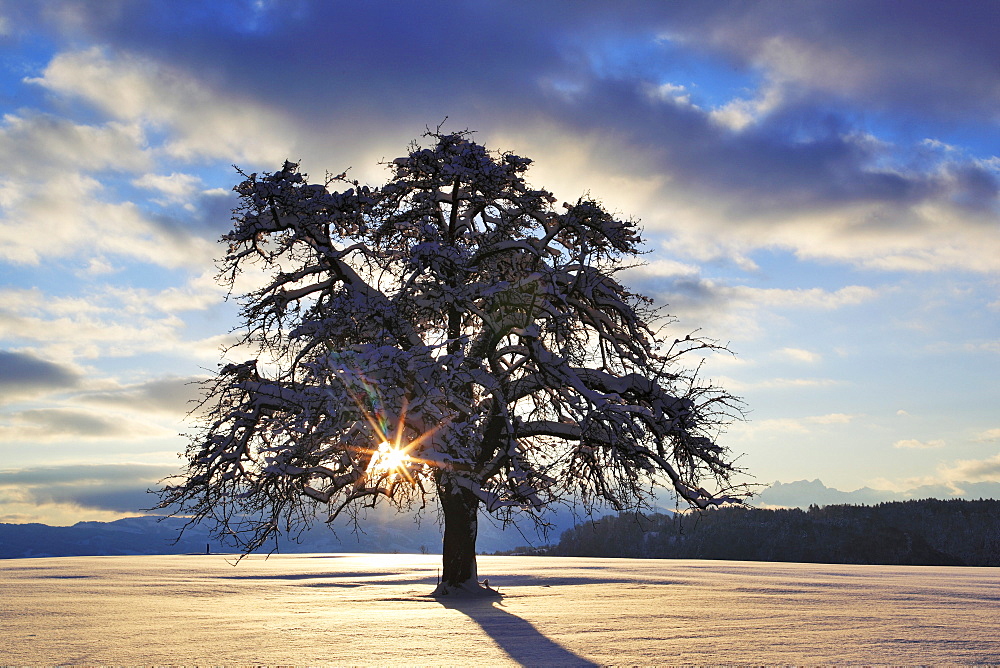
{"x": 366, "y": 609}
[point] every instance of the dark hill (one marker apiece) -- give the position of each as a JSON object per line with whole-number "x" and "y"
{"x": 925, "y": 532}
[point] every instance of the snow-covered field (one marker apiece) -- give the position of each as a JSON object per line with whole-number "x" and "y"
{"x": 363, "y": 609}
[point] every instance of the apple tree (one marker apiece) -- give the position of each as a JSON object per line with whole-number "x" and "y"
{"x": 451, "y": 337}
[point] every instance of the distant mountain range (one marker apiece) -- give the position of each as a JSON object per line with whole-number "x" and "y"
{"x": 803, "y": 493}
{"x": 381, "y": 531}
{"x": 384, "y": 530}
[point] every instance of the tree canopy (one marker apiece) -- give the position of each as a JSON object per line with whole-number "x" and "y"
{"x": 451, "y": 334}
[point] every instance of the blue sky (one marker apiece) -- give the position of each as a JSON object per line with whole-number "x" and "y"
{"x": 817, "y": 181}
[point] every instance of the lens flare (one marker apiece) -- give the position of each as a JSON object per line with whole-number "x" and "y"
{"x": 388, "y": 460}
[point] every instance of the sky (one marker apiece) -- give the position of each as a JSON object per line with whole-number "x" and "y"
{"x": 817, "y": 183}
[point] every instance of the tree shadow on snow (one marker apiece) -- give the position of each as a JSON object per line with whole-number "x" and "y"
{"x": 517, "y": 637}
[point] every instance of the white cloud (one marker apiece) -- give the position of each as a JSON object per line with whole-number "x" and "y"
{"x": 812, "y": 298}
{"x": 939, "y": 145}
{"x": 201, "y": 122}
{"x": 989, "y": 435}
{"x": 112, "y": 322}
{"x": 797, "y": 382}
{"x": 775, "y": 383}
{"x": 570, "y": 164}
{"x": 740, "y": 113}
{"x": 97, "y": 266}
{"x": 954, "y": 478}
{"x": 914, "y": 444}
{"x": 176, "y": 188}
{"x": 35, "y": 144}
{"x": 51, "y": 206}
{"x": 904, "y": 485}
{"x": 986, "y": 346}
{"x": 199, "y": 293}
{"x": 802, "y": 425}
{"x": 974, "y": 470}
{"x": 800, "y": 355}
{"x": 666, "y": 267}
{"x": 832, "y": 418}
{"x": 80, "y": 327}
{"x": 19, "y": 507}
{"x": 673, "y": 93}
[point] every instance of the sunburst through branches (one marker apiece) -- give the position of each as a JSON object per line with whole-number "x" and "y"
{"x": 389, "y": 461}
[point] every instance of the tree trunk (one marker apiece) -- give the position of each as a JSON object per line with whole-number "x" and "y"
{"x": 461, "y": 524}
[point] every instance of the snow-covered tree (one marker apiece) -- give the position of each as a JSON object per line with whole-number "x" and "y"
{"x": 451, "y": 335}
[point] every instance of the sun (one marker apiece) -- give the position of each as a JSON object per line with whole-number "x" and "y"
{"x": 388, "y": 460}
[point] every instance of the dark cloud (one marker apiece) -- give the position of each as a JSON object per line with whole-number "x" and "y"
{"x": 489, "y": 62}
{"x": 337, "y": 57}
{"x": 799, "y": 159}
{"x": 25, "y": 374}
{"x": 111, "y": 487}
{"x": 85, "y": 474}
{"x": 677, "y": 288}
{"x": 974, "y": 186}
{"x": 215, "y": 210}
{"x": 59, "y": 422}
{"x": 924, "y": 57}
{"x": 350, "y": 74}
{"x": 176, "y": 396}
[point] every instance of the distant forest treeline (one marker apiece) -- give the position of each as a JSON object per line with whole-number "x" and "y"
{"x": 927, "y": 532}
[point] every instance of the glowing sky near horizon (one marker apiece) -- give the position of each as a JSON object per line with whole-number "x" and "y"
{"x": 818, "y": 184}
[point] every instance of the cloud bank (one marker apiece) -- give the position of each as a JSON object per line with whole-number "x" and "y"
{"x": 810, "y": 166}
